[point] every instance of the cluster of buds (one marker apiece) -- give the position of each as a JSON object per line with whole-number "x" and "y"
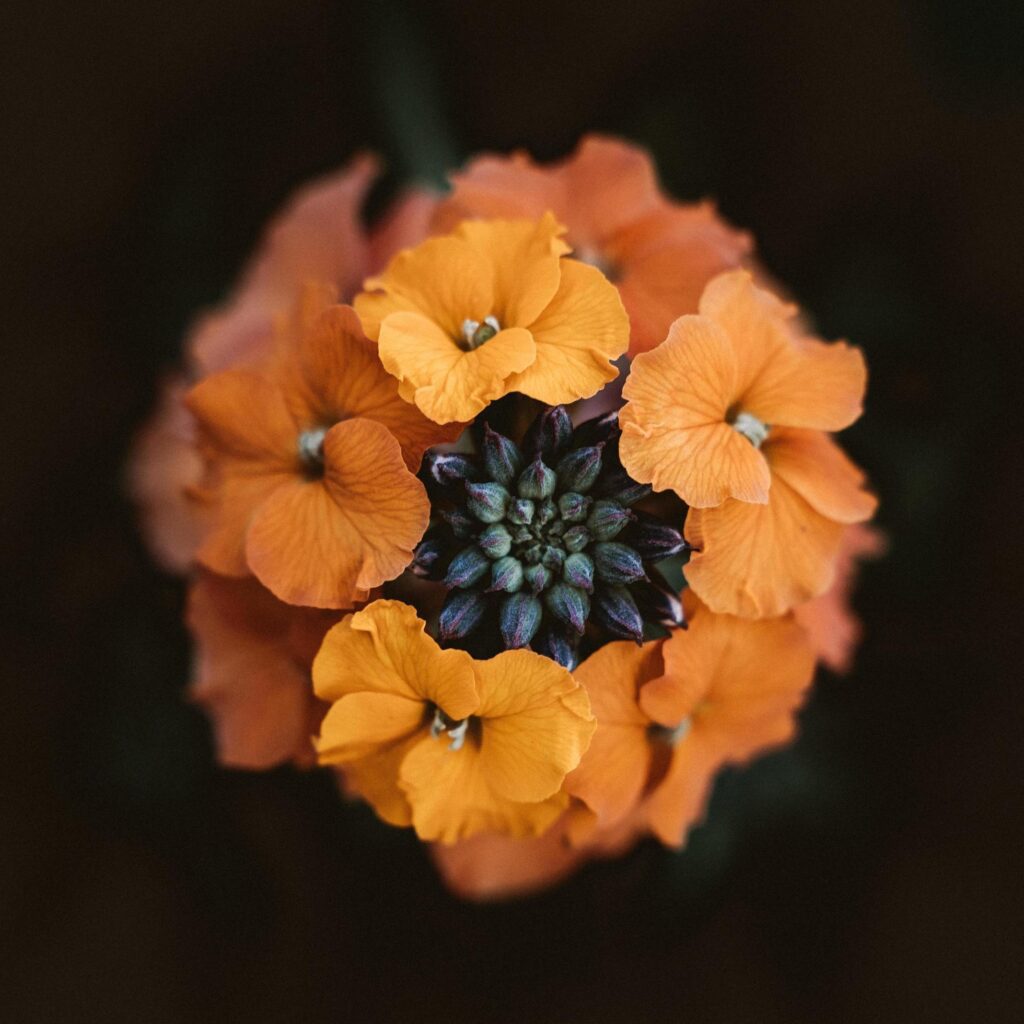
{"x": 545, "y": 539}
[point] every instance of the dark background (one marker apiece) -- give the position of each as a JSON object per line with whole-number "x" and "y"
{"x": 870, "y": 873}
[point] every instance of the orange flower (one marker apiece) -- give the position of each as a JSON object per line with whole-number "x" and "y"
{"x": 762, "y": 560}
{"x": 310, "y": 462}
{"x": 433, "y": 738}
{"x": 700, "y": 406}
{"x": 670, "y": 715}
{"x": 828, "y": 619}
{"x": 493, "y": 308}
{"x": 252, "y": 671}
{"x": 659, "y": 253}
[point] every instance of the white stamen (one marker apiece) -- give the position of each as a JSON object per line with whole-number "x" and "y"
{"x": 458, "y": 734}
{"x": 311, "y": 446}
{"x": 751, "y": 428}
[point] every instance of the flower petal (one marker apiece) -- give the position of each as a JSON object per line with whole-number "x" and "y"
{"x": 325, "y": 543}
{"x": 578, "y": 335}
{"x": 674, "y": 434}
{"x": 358, "y": 724}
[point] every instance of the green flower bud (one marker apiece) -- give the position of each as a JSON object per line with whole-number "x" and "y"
{"x": 502, "y": 459}
{"x": 519, "y": 619}
{"x": 507, "y": 575}
{"x": 578, "y": 571}
{"x": 576, "y": 538}
{"x": 468, "y": 566}
{"x": 568, "y": 604}
{"x": 546, "y": 510}
{"x": 488, "y": 502}
{"x": 578, "y": 470}
{"x": 574, "y": 507}
{"x": 553, "y": 558}
{"x": 536, "y": 481}
{"x": 607, "y": 519}
{"x": 520, "y": 511}
{"x": 537, "y": 577}
{"x": 495, "y": 541}
{"x": 617, "y": 563}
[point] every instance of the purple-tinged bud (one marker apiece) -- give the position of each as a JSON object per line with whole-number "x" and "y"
{"x": 536, "y": 481}
{"x": 502, "y": 459}
{"x": 653, "y": 540}
{"x": 617, "y": 563}
{"x": 488, "y": 502}
{"x": 554, "y": 643}
{"x": 574, "y": 507}
{"x": 449, "y": 468}
{"x": 427, "y": 558}
{"x": 519, "y": 619}
{"x": 462, "y": 612}
{"x": 568, "y": 604}
{"x": 506, "y": 575}
{"x": 621, "y": 487}
{"x": 520, "y": 511}
{"x": 616, "y": 611}
{"x": 553, "y": 558}
{"x": 537, "y": 577}
{"x": 461, "y": 524}
{"x": 659, "y": 603}
{"x": 578, "y": 470}
{"x": 578, "y": 571}
{"x": 546, "y": 510}
{"x": 521, "y": 534}
{"x": 549, "y": 434}
{"x": 576, "y": 538}
{"x": 600, "y": 428}
{"x": 607, "y": 519}
{"x": 467, "y": 567}
{"x": 495, "y": 541}
{"x": 532, "y": 553}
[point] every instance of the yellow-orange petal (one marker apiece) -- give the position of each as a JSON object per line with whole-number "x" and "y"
{"x": 375, "y": 779}
{"x": 579, "y": 333}
{"x": 451, "y": 798}
{"x": 359, "y": 724}
{"x": 384, "y": 648}
{"x": 810, "y": 385}
{"x": 674, "y": 430}
{"x": 342, "y": 376}
{"x": 761, "y": 560}
{"x": 536, "y": 724}
{"x": 680, "y": 800}
{"x": 524, "y": 259}
{"x": 446, "y": 280}
{"x": 446, "y": 382}
{"x": 821, "y": 473}
{"x": 326, "y": 542}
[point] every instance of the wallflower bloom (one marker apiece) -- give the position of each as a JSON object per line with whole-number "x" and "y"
{"x": 310, "y": 461}
{"x": 700, "y": 406}
{"x": 492, "y": 308}
{"x": 252, "y": 671}
{"x": 433, "y": 738}
{"x": 671, "y": 714}
{"x": 659, "y": 253}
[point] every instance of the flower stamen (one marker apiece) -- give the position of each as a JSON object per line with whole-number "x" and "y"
{"x": 753, "y": 429}
{"x": 443, "y": 723}
{"x": 311, "y": 448}
{"x": 476, "y": 332}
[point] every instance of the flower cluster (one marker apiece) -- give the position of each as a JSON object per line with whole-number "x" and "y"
{"x": 522, "y": 512}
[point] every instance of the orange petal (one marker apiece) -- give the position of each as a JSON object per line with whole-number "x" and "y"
{"x": 446, "y": 280}
{"x": 761, "y": 560}
{"x": 405, "y": 223}
{"x": 674, "y": 434}
{"x": 611, "y": 775}
{"x": 523, "y": 255}
{"x": 679, "y": 801}
{"x": 536, "y": 724}
{"x": 384, "y": 648}
{"x": 447, "y": 383}
{"x": 325, "y": 543}
{"x": 342, "y": 374}
{"x": 811, "y": 385}
{"x": 612, "y": 677}
{"x": 820, "y": 472}
{"x": 358, "y": 724}
{"x": 375, "y": 779}
{"x": 451, "y": 798}
{"x": 578, "y": 335}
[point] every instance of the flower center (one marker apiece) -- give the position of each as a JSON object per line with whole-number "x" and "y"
{"x": 311, "y": 449}
{"x": 669, "y": 736}
{"x": 475, "y": 332}
{"x": 443, "y": 723}
{"x": 751, "y": 428}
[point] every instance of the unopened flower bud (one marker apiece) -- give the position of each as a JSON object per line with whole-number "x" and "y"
{"x": 507, "y": 575}
{"x": 578, "y": 470}
{"x": 448, "y": 468}
{"x": 600, "y": 428}
{"x": 502, "y": 459}
{"x": 555, "y": 644}
{"x": 659, "y": 603}
{"x": 568, "y": 604}
{"x": 553, "y": 558}
{"x": 578, "y": 571}
{"x": 617, "y": 563}
{"x": 576, "y": 538}
{"x": 467, "y": 567}
{"x": 520, "y": 511}
{"x": 462, "y": 612}
{"x": 620, "y": 487}
{"x": 519, "y": 619}
{"x": 616, "y": 611}
{"x": 549, "y": 434}
{"x": 495, "y": 541}
{"x": 488, "y": 502}
{"x": 546, "y": 510}
{"x": 533, "y": 553}
{"x": 462, "y": 525}
{"x": 574, "y": 507}
{"x": 536, "y": 481}
{"x": 653, "y": 540}
{"x": 537, "y": 577}
{"x": 427, "y": 558}
{"x": 607, "y": 519}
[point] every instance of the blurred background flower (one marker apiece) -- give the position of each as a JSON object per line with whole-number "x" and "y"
{"x": 869, "y": 872}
